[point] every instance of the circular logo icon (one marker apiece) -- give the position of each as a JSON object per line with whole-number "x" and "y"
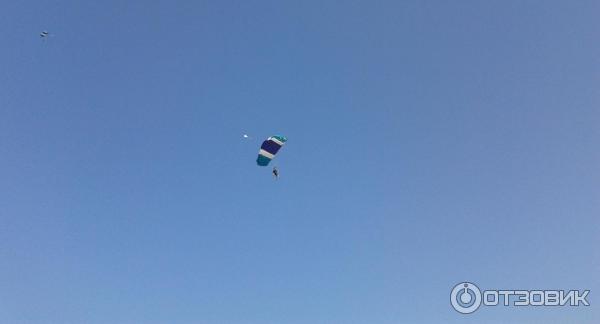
{"x": 465, "y": 297}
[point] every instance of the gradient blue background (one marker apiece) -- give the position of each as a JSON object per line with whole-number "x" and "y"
{"x": 429, "y": 143}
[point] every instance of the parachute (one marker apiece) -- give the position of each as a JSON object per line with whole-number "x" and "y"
{"x": 269, "y": 148}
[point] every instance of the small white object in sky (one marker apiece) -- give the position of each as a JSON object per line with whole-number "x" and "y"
{"x": 245, "y": 135}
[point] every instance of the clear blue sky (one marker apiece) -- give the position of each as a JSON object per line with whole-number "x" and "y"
{"x": 429, "y": 143}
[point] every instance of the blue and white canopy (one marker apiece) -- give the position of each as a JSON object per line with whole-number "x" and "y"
{"x": 269, "y": 148}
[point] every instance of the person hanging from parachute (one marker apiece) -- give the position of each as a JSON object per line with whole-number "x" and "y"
{"x": 268, "y": 150}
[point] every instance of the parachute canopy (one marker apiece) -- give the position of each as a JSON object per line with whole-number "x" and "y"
{"x": 269, "y": 148}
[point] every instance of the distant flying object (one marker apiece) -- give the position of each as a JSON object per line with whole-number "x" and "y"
{"x": 245, "y": 135}
{"x": 44, "y": 34}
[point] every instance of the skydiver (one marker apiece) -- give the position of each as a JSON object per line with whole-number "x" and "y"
{"x": 275, "y": 173}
